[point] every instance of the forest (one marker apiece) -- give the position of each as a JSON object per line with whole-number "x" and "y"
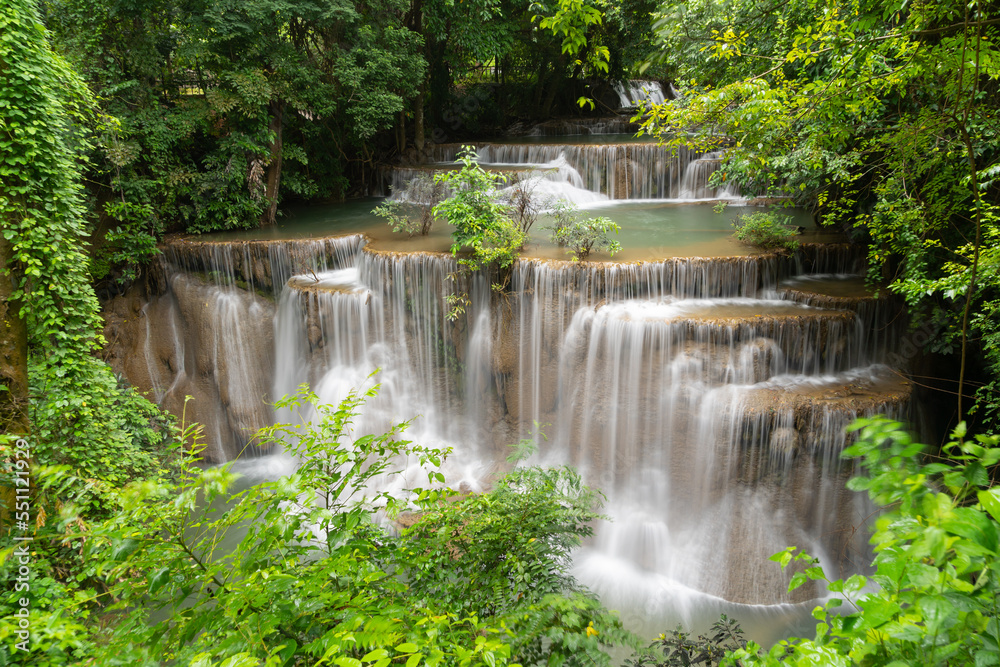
{"x": 135, "y": 135}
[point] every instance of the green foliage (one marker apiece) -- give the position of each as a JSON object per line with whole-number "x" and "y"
{"x": 492, "y": 550}
{"x": 105, "y": 432}
{"x": 932, "y": 599}
{"x": 398, "y": 219}
{"x": 213, "y": 110}
{"x": 41, "y": 204}
{"x": 487, "y": 233}
{"x": 505, "y": 554}
{"x": 879, "y": 115}
{"x": 583, "y": 236}
{"x": 573, "y": 19}
{"x": 80, "y": 417}
{"x": 131, "y": 244}
{"x": 59, "y": 608}
{"x": 679, "y": 649}
{"x": 300, "y": 571}
{"x": 766, "y": 230}
{"x": 481, "y": 221}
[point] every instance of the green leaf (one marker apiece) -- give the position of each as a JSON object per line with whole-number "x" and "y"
{"x": 878, "y": 610}
{"x": 974, "y": 525}
{"x": 374, "y": 655}
{"x": 159, "y": 578}
{"x": 797, "y": 580}
{"x": 990, "y": 500}
{"x": 124, "y": 549}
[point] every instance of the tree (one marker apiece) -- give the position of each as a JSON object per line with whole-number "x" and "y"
{"x": 583, "y": 236}
{"x": 865, "y": 110}
{"x": 215, "y": 109}
{"x": 768, "y": 230}
{"x": 272, "y": 59}
{"x": 484, "y": 225}
{"x": 49, "y": 305}
{"x": 78, "y": 414}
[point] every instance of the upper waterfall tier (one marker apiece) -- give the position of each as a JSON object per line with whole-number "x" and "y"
{"x": 627, "y": 169}
{"x": 259, "y": 264}
{"x": 575, "y": 127}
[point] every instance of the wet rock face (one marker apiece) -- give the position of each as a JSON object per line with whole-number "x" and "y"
{"x": 197, "y": 339}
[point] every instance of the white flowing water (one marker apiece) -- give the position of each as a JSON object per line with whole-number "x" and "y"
{"x": 583, "y": 173}
{"x": 636, "y": 92}
{"x": 707, "y": 398}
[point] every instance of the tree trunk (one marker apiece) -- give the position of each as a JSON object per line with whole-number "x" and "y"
{"x": 418, "y": 120}
{"x": 440, "y": 83}
{"x": 417, "y": 26}
{"x": 13, "y": 351}
{"x": 401, "y": 133}
{"x": 557, "y": 81}
{"x": 277, "y": 113}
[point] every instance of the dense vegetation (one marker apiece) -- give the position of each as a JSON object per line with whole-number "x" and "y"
{"x": 209, "y": 114}
{"x": 120, "y": 121}
{"x": 881, "y": 117}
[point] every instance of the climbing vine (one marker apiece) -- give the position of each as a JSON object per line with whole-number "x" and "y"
{"x": 77, "y": 410}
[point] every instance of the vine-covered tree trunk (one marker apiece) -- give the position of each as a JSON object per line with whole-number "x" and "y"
{"x": 13, "y": 351}
{"x": 277, "y": 115}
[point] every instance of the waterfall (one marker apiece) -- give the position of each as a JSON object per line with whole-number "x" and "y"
{"x": 707, "y": 398}
{"x": 583, "y": 173}
{"x": 582, "y": 126}
{"x": 695, "y": 182}
{"x": 635, "y": 92}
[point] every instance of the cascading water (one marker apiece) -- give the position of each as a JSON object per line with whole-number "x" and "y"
{"x": 695, "y": 183}
{"x": 705, "y": 396}
{"x": 624, "y": 170}
{"x": 584, "y": 173}
{"x": 635, "y": 92}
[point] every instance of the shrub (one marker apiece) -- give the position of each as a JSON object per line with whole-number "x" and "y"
{"x": 483, "y": 224}
{"x": 678, "y": 649}
{"x": 314, "y": 579}
{"x": 766, "y": 230}
{"x": 581, "y": 237}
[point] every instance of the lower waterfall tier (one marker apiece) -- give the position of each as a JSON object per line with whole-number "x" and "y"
{"x": 706, "y": 397}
